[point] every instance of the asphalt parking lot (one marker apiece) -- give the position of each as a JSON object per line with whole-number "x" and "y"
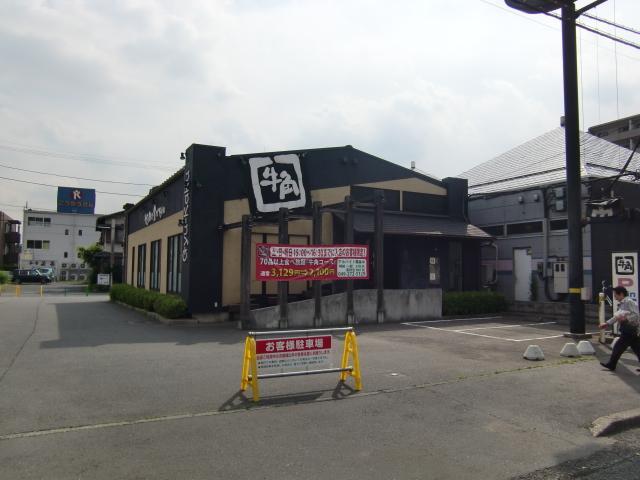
{"x": 89, "y": 389}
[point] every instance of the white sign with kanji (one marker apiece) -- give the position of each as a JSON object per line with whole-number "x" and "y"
{"x": 277, "y": 182}
{"x": 286, "y": 355}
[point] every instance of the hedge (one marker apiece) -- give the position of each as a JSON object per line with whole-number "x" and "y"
{"x": 4, "y": 277}
{"x": 472, "y": 303}
{"x": 168, "y": 306}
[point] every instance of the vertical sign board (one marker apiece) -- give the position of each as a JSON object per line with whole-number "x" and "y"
{"x": 624, "y": 273}
{"x": 294, "y": 354}
{"x": 76, "y": 200}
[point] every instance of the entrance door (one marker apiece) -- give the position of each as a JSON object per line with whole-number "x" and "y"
{"x": 522, "y": 273}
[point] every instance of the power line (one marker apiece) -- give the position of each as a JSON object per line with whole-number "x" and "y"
{"x": 82, "y": 158}
{"x": 77, "y": 178}
{"x": 56, "y": 186}
{"x": 609, "y": 22}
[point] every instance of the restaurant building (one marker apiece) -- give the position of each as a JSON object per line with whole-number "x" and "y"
{"x": 184, "y": 237}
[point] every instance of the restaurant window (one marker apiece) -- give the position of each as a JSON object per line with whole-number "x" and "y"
{"x": 133, "y": 265}
{"x": 142, "y": 257}
{"x": 154, "y": 276}
{"x": 174, "y": 264}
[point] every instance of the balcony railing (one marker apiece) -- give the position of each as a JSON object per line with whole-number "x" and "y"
{"x": 12, "y": 237}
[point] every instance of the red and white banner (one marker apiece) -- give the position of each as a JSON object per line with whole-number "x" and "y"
{"x": 280, "y": 355}
{"x": 311, "y": 262}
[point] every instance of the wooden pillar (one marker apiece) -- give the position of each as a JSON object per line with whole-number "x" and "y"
{"x": 283, "y": 287}
{"x": 245, "y": 273}
{"x": 317, "y": 287}
{"x": 379, "y": 249}
{"x": 348, "y": 238}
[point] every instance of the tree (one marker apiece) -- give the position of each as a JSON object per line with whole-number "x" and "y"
{"x": 91, "y": 256}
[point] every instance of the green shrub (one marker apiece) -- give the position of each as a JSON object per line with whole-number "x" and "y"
{"x": 170, "y": 306}
{"x": 472, "y": 303}
{"x": 4, "y": 277}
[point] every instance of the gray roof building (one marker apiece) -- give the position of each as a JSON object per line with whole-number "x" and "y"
{"x": 541, "y": 161}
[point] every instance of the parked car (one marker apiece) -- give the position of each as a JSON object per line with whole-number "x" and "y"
{"x": 30, "y": 276}
{"x": 47, "y": 272}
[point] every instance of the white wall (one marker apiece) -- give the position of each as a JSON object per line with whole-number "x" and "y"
{"x": 67, "y": 232}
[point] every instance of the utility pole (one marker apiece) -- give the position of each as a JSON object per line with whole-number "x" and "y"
{"x": 577, "y": 322}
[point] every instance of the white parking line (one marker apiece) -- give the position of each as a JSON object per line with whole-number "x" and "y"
{"x": 506, "y": 326}
{"x": 468, "y": 331}
{"x": 443, "y": 320}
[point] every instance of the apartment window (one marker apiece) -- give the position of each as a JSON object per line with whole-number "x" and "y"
{"x": 142, "y": 257}
{"x": 38, "y": 244}
{"x": 66, "y": 254}
{"x": 174, "y": 251}
{"x": 79, "y": 233}
{"x": 558, "y": 224}
{"x": 66, "y": 231}
{"x": 39, "y": 221}
{"x": 524, "y": 228}
{"x": 154, "y": 274}
{"x": 494, "y": 230}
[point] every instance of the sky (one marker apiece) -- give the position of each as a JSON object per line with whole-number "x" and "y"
{"x": 115, "y": 90}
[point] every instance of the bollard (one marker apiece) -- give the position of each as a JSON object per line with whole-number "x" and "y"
{"x": 41, "y": 289}
{"x": 18, "y": 290}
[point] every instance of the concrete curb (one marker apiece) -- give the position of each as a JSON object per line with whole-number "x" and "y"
{"x": 615, "y": 423}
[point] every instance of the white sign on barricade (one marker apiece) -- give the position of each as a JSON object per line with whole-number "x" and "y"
{"x": 104, "y": 279}
{"x": 291, "y": 354}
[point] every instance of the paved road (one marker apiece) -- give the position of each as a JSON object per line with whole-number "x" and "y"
{"x": 89, "y": 389}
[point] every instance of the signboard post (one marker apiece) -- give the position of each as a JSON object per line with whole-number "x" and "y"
{"x": 76, "y": 200}
{"x": 295, "y": 353}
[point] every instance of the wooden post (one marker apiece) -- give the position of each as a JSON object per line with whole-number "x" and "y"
{"x": 317, "y": 287}
{"x": 348, "y": 238}
{"x": 379, "y": 243}
{"x": 283, "y": 287}
{"x": 245, "y": 273}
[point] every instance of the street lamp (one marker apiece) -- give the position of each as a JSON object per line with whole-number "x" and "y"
{"x": 572, "y": 146}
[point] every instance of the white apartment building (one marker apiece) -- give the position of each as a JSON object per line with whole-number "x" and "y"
{"x": 52, "y": 239}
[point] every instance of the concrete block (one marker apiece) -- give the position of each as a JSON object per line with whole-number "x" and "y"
{"x": 533, "y": 352}
{"x": 570, "y": 350}
{"x": 585, "y": 348}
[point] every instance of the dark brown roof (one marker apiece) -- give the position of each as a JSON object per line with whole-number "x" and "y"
{"x": 423, "y": 225}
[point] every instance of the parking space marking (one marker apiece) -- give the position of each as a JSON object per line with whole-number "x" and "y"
{"x": 443, "y": 320}
{"x": 470, "y": 331}
{"x": 506, "y": 326}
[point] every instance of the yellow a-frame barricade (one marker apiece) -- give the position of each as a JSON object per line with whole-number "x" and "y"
{"x": 250, "y": 373}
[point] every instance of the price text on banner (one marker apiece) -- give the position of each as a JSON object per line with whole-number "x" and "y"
{"x": 311, "y": 262}
{"x": 280, "y": 355}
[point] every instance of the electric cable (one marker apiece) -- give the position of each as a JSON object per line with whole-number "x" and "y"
{"x": 76, "y": 178}
{"x": 57, "y": 186}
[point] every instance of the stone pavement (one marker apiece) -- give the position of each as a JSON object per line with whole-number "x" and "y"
{"x": 89, "y": 389}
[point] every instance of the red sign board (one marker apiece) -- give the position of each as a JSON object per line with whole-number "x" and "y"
{"x": 293, "y": 354}
{"x": 276, "y": 262}
{"x": 298, "y": 344}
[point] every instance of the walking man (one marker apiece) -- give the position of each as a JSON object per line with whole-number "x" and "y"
{"x": 628, "y": 320}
